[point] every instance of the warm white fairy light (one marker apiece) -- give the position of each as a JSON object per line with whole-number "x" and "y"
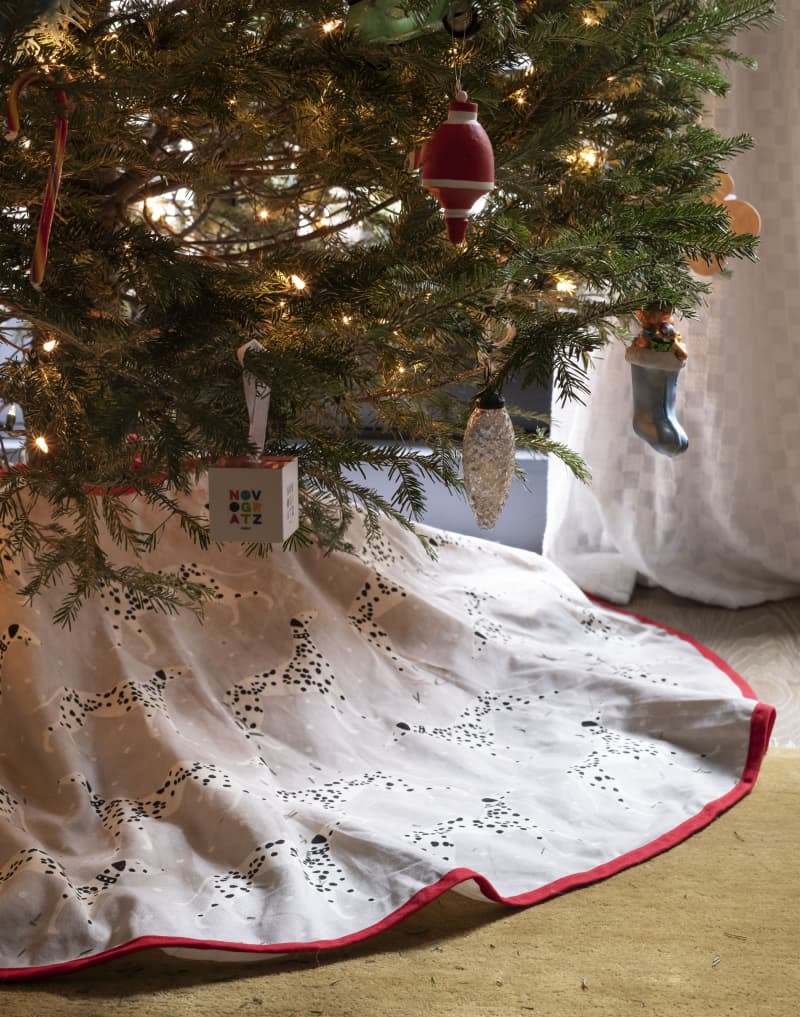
{"x": 298, "y": 283}
{"x": 41, "y": 444}
{"x": 346, "y": 319}
{"x": 590, "y": 20}
{"x": 588, "y": 155}
{"x": 154, "y": 208}
{"x": 263, "y": 214}
{"x": 49, "y": 345}
{"x": 565, "y": 285}
{"x": 331, "y": 25}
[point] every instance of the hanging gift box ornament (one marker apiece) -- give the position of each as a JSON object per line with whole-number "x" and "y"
{"x": 488, "y": 457}
{"x": 254, "y": 498}
{"x": 458, "y": 164}
{"x": 657, "y": 355}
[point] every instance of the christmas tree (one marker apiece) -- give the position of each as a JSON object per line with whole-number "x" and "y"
{"x": 240, "y": 172}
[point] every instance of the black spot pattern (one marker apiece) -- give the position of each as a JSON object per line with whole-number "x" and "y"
{"x": 46, "y": 865}
{"x": 76, "y": 706}
{"x": 637, "y": 674}
{"x": 116, "y": 814}
{"x": 334, "y": 792}
{"x": 306, "y": 671}
{"x": 320, "y": 869}
{"x": 487, "y": 629}
{"x": 10, "y": 568}
{"x": 446, "y": 539}
{"x": 264, "y": 868}
{"x": 267, "y": 867}
{"x": 9, "y": 806}
{"x": 497, "y": 816}
{"x": 121, "y": 604}
{"x": 591, "y": 622}
{"x": 12, "y": 632}
{"x": 379, "y": 550}
{"x": 377, "y": 596}
{"x": 191, "y": 572}
{"x": 471, "y": 729}
{"x": 611, "y": 743}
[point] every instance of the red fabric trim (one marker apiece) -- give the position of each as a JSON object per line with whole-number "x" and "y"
{"x": 723, "y": 665}
{"x": 761, "y": 724}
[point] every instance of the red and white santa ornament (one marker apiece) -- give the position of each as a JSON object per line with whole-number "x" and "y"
{"x": 458, "y": 164}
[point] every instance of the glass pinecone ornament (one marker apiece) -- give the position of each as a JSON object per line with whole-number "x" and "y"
{"x": 488, "y": 457}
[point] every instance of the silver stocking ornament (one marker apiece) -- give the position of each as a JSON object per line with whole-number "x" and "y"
{"x": 488, "y": 457}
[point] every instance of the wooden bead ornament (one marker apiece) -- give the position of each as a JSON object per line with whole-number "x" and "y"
{"x": 458, "y": 164}
{"x": 744, "y": 218}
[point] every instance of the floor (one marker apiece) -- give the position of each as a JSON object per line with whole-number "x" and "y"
{"x": 761, "y": 643}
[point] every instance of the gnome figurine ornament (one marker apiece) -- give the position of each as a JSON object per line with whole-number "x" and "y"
{"x": 458, "y": 164}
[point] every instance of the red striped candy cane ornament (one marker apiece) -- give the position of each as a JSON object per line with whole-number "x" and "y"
{"x": 39, "y": 259}
{"x": 458, "y": 164}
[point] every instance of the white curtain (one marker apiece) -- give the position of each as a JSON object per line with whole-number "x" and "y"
{"x": 721, "y": 522}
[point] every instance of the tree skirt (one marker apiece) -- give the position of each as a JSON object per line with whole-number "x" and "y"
{"x": 344, "y": 739}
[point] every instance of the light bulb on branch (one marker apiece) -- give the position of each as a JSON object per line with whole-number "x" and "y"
{"x": 11, "y": 418}
{"x": 565, "y": 285}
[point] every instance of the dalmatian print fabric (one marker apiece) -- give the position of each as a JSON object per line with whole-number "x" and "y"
{"x": 343, "y": 738}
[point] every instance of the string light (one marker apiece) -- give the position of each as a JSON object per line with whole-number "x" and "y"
{"x": 520, "y": 97}
{"x": 41, "y": 444}
{"x": 331, "y": 26}
{"x": 49, "y": 345}
{"x": 565, "y": 285}
{"x": 346, "y": 319}
{"x": 155, "y": 207}
{"x": 263, "y": 214}
{"x": 297, "y": 282}
{"x": 590, "y": 20}
{"x": 588, "y": 155}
